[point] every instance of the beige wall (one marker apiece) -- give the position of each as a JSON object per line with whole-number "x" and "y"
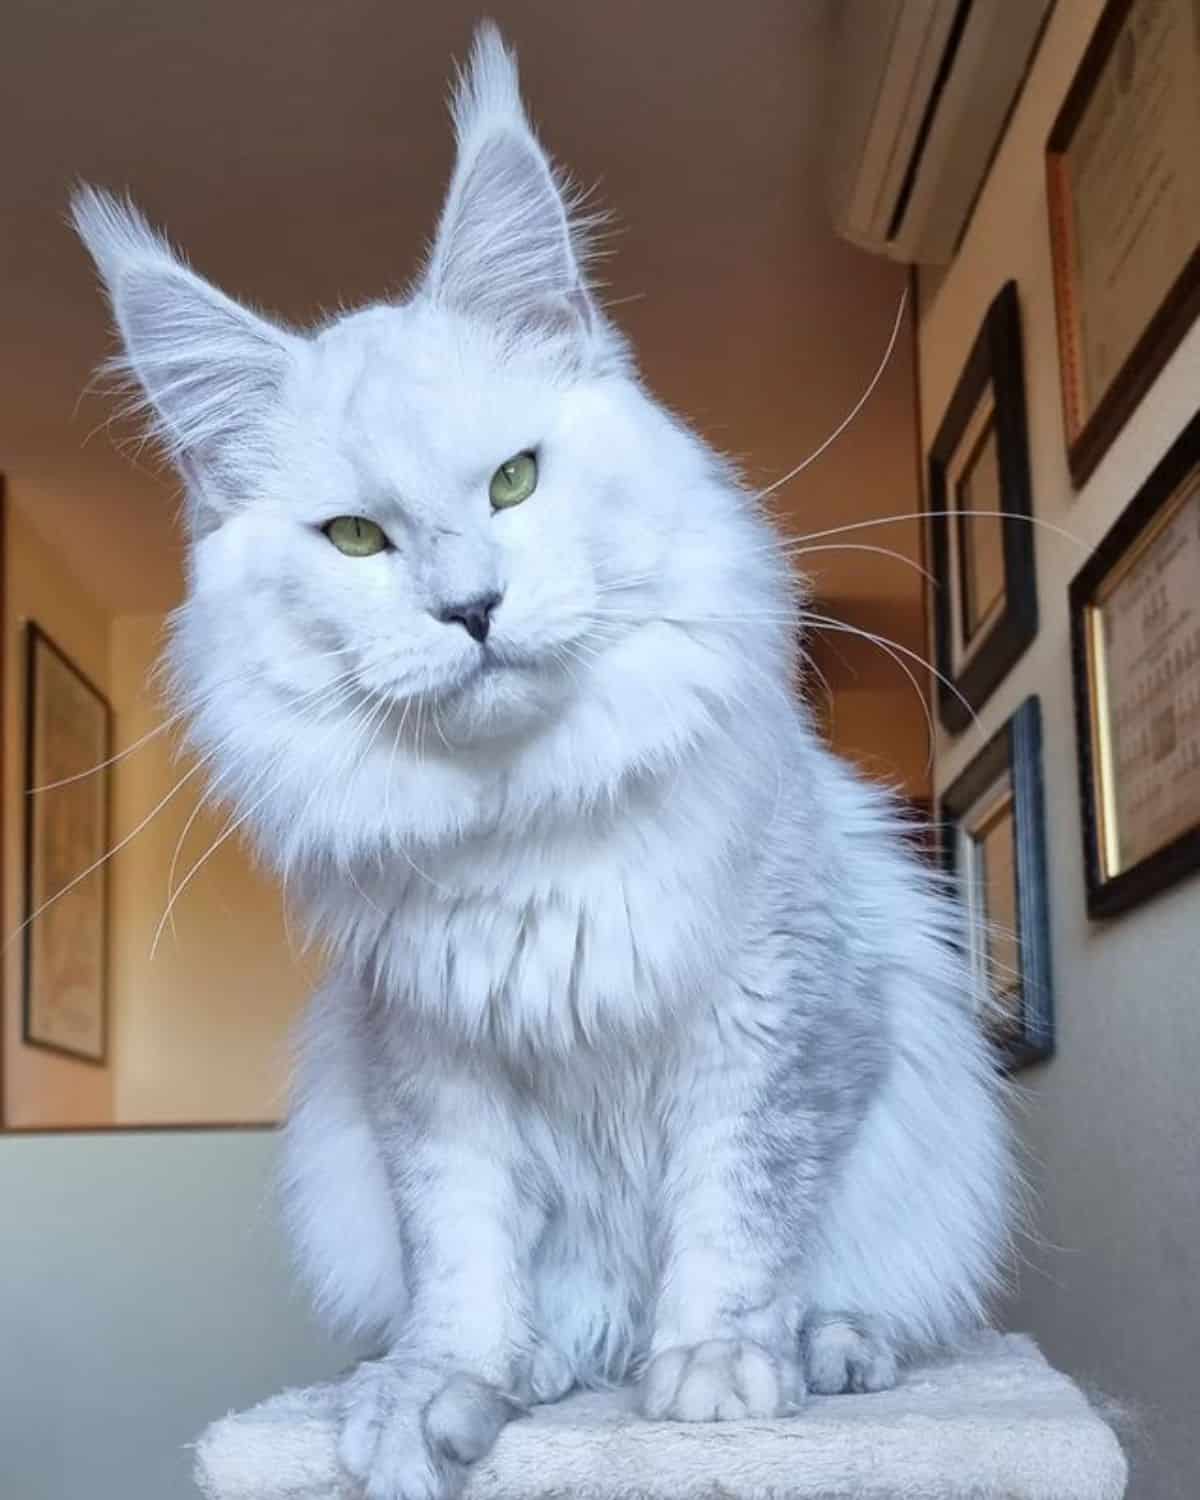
{"x": 201, "y": 1021}
{"x": 872, "y": 698}
{"x": 39, "y": 1087}
{"x": 198, "y": 1032}
{"x": 144, "y": 1291}
{"x": 1111, "y": 1278}
{"x": 857, "y": 505}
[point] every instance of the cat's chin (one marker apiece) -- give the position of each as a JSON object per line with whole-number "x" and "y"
{"x": 502, "y": 701}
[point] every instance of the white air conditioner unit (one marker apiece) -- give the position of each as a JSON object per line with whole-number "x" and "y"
{"x": 922, "y": 90}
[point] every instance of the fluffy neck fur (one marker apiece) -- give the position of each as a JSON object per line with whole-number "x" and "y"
{"x": 638, "y": 794}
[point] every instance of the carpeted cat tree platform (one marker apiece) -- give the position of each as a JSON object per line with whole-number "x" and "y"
{"x": 994, "y": 1422}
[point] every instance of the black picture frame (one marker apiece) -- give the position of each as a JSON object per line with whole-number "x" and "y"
{"x": 1025, "y": 1034}
{"x": 1110, "y": 894}
{"x": 40, "y": 649}
{"x": 967, "y": 679}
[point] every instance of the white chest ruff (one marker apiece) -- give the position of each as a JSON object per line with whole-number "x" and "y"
{"x": 541, "y": 946}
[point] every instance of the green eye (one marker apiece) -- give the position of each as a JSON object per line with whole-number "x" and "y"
{"x": 514, "y": 481}
{"x": 355, "y": 536}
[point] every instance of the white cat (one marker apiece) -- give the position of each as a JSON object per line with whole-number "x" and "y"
{"x": 645, "y": 1052}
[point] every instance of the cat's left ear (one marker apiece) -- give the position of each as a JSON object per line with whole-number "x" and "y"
{"x": 211, "y": 371}
{"x": 506, "y": 250}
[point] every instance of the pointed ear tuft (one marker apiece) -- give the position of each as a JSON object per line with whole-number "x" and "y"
{"x": 489, "y": 87}
{"x": 209, "y": 370}
{"x": 506, "y": 249}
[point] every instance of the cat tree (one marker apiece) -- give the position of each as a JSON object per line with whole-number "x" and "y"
{"x": 994, "y": 1422}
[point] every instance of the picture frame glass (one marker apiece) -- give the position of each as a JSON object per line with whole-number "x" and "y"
{"x": 988, "y": 862}
{"x": 66, "y": 838}
{"x": 1124, "y": 208}
{"x": 992, "y": 820}
{"x": 979, "y": 529}
{"x": 1143, "y": 647}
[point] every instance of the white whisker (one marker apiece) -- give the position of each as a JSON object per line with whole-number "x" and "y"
{"x": 112, "y": 760}
{"x": 823, "y": 622}
{"x": 921, "y": 515}
{"x": 854, "y": 410}
{"x": 108, "y": 854}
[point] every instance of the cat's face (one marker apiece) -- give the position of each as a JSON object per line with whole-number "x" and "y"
{"x": 440, "y": 525}
{"x": 449, "y": 522}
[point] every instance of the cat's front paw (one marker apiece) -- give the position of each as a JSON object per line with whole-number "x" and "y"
{"x": 551, "y": 1374}
{"x": 719, "y": 1381}
{"x": 410, "y": 1430}
{"x": 841, "y": 1355}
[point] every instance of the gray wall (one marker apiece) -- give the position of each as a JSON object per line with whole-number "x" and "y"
{"x": 1110, "y": 1283}
{"x": 143, "y": 1292}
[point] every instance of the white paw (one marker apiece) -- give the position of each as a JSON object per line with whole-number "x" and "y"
{"x": 839, "y": 1357}
{"x": 551, "y": 1375}
{"x": 719, "y": 1381}
{"x": 410, "y": 1430}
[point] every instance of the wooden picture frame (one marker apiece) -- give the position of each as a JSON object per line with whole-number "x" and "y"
{"x": 1124, "y": 207}
{"x": 985, "y": 609}
{"x": 992, "y": 824}
{"x": 68, "y": 741}
{"x": 1135, "y": 647}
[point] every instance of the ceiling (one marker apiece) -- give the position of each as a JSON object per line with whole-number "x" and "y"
{"x": 298, "y": 153}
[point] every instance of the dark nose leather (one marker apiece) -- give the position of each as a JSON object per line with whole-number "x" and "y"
{"x": 475, "y": 615}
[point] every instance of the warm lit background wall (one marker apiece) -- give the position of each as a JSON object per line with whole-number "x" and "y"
{"x": 198, "y": 1032}
{"x": 39, "y": 1087}
{"x": 1112, "y": 1123}
{"x": 202, "y": 1018}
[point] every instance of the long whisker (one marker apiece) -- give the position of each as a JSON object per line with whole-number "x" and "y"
{"x": 230, "y": 828}
{"x": 825, "y": 623}
{"x": 921, "y": 515}
{"x": 931, "y": 733}
{"x": 796, "y": 548}
{"x": 108, "y": 854}
{"x": 112, "y": 760}
{"x": 170, "y": 720}
{"x": 854, "y": 410}
{"x": 326, "y": 696}
{"x": 809, "y": 664}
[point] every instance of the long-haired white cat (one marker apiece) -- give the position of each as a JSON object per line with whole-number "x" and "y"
{"x": 646, "y": 1053}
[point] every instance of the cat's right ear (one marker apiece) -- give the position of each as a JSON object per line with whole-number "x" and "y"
{"x": 507, "y": 250}
{"x": 210, "y": 370}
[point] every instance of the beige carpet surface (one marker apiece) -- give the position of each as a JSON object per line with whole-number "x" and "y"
{"x": 993, "y": 1422}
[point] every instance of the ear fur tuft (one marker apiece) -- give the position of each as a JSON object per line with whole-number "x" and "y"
{"x": 206, "y": 371}
{"x": 508, "y": 249}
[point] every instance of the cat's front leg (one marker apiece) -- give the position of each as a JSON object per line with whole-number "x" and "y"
{"x": 416, "y": 1419}
{"x": 725, "y": 1337}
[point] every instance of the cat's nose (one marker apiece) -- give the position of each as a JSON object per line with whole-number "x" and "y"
{"x": 475, "y": 615}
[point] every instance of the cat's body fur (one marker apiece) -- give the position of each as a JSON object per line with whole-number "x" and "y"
{"x": 645, "y": 1050}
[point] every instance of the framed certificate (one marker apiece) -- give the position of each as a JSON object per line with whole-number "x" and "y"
{"x": 980, "y": 532}
{"x": 68, "y": 730}
{"x": 1124, "y": 200}
{"x": 993, "y": 848}
{"x": 1135, "y": 625}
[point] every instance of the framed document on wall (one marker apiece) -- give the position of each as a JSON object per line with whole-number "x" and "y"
{"x": 1123, "y": 183}
{"x": 980, "y": 533}
{"x": 1135, "y": 629}
{"x": 68, "y": 738}
{"x": 993, "y": 847}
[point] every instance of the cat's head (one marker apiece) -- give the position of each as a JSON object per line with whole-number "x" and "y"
{"x": 438, "y": 528}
